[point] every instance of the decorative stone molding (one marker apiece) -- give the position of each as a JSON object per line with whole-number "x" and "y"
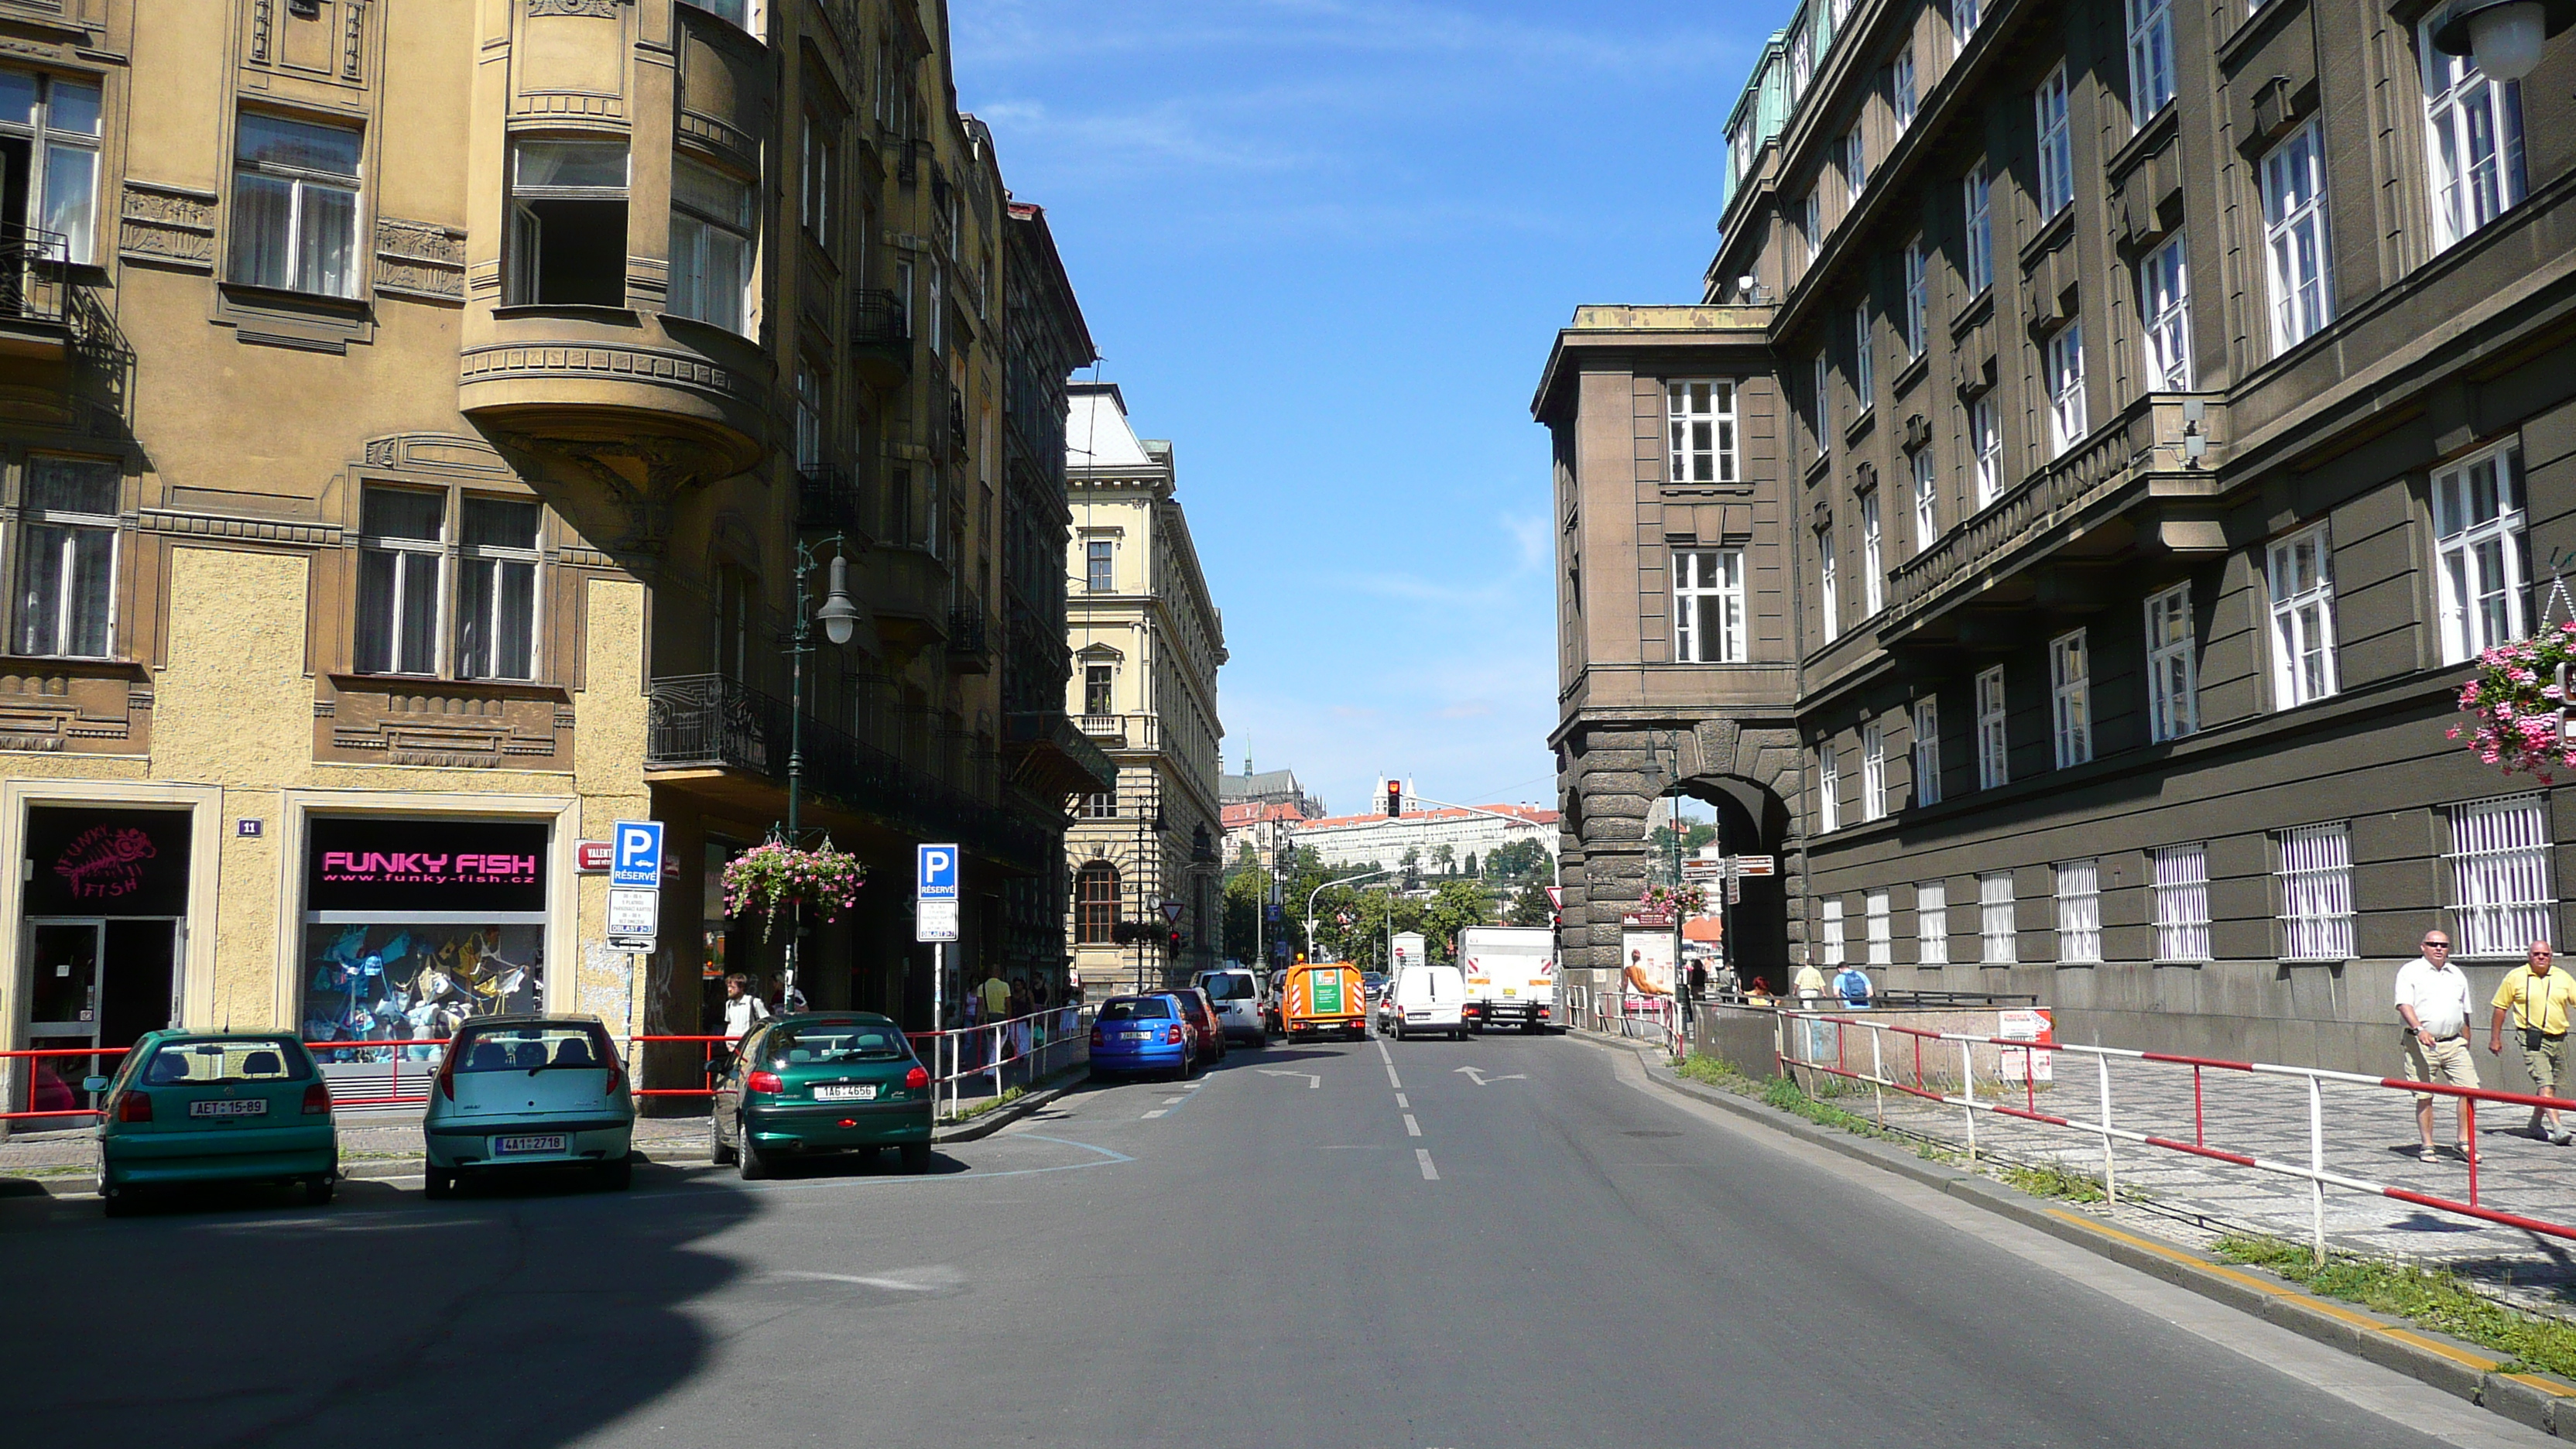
{"x": 170, "y": 225}
{"x": 569, "y": 103}
{"x": 446, "y": 726}
{"x": 435, "y": 453}
{"x": 601, "y": 9}
{"x": 706, "y": 130}
{"x": 421, "y": 258}
{"x": 68, "y": 707}
{"x": 491, "y": 364}
{"x": 248, "y": 530}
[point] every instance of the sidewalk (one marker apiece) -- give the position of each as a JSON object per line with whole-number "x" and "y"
{"x": 51, "y": 1156}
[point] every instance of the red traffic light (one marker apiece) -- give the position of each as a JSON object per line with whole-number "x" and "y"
{"x": 1394, "y": 798}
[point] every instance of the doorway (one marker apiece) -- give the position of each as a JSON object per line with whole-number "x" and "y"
{"x": 94, "y": 984}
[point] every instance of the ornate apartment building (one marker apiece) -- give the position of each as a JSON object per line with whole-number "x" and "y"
{"x": 413, "y": 421}
{"x": 2107, "y": 435}
{"x": 1147, "y": 640}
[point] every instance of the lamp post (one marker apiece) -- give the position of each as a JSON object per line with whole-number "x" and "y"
{"x": 2503, "y": 36}
{"x": 840, "y": 620}
{"x": 1319, "y": 890}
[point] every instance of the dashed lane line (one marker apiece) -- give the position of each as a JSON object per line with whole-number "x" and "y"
{"x": 1429, "y": 1172}
{"x": 1157, "y": 1112}
{"x": 1411, "y": 1127}
{"x": 1400, "y": 1100}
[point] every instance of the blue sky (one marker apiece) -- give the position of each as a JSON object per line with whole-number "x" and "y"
{"x": 1324, "y": 248}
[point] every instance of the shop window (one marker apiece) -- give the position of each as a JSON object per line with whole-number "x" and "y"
{"x": 402, "y": 534}
{"x": 295, "y": 206}
{"x": 67, "y": 562}
{"x": 568, "y": 224}
{"x": 711, "y": 228}
{"x": 49, "y": 131}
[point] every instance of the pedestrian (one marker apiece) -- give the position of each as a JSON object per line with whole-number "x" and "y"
{"x": 2539, "y": 997}
{"x": 743, "y": 1009}
{"x": 1698, "y": 979}
{"x": 1809, "y": 983}
{"x": 1852, "y": 985}
{"x": 2433, "y": 1002}
{"x": 997, "y": 997}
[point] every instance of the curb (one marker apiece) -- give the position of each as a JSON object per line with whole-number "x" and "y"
{"x": 2452, "y": 1365}
{"x": 985, "y": 1124}
{"x": 363, "y": 1170}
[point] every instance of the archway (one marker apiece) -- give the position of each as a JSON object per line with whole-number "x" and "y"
{"x": 1750, "y": 820}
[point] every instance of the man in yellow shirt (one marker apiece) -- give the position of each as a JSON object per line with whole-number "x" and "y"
{"x": 2539, "y": 998}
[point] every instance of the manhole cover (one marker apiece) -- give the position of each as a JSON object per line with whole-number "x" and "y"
{"x": 1652, "y": 1134}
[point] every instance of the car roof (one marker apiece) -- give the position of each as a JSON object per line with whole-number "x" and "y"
{"x": 812, "y": 1018}
{"x": 533, "y": 1018}
{"x": 158, "y": 1035}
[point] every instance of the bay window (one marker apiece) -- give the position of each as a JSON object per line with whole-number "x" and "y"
{"x": 711, "y": 231}
{"x": 567, "y": 241}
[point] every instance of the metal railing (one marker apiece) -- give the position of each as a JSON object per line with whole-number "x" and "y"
{"x": 876, "y": 318}
{"x": 966, "y": 628}
{"x": 35, "y": 280}
{"x": 831, "y": 498}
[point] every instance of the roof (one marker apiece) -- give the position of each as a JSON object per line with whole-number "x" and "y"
{"x": 1528, "y": 814}
{"x": 1253, "y": 812}
{"x": 1268, "y": 782}
{"x": 1096, "y": 431}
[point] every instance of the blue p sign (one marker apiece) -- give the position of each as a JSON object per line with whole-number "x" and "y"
{"x": 935, "y": 873}
{"x": 635, "y": 857}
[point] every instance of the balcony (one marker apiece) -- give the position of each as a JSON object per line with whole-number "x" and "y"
{"x": 968, "y": 652}
{"x": 701, "y": 724}
{"x": 907, "y": 586}
{"x": 38, "y": 297}
{"x": 880, "y": 337}
{"x": 830, "y": 499}
{"x": 659, "y": 402}
{"x": 2134, "y": 487}
{"x": 1048, "y": 755}
{"x": 1122, "y": 731}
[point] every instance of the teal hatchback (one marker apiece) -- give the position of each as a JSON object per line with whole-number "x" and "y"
{"x": 820, "y": 1082}
{"x": 186, "y": 1108}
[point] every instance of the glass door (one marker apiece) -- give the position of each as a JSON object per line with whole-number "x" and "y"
{"x": 62, "y": 1012}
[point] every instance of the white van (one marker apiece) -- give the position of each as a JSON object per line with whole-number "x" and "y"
{"x": 1242, "y": 1009}
{"x": 1427, "y": 999}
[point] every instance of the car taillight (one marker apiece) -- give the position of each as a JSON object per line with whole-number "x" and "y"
{"x": 763, "y": 1082}
{"x": 447, "y": 1073}
{"x": 134, "y": 1107}
{"x": 616, "y": 1079}
{"x": 1172, "y": 1037}
{"x": 317, "y": 1100}
{"x": 916, "y": 1079}
{"x": 1096, "y": 1037}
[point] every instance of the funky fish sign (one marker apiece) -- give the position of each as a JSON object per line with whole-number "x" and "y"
{"x": 110, "y": 862}
{"x": 382, "y": 863}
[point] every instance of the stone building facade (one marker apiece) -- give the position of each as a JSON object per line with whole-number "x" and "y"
{"x": 2107, "y": 436}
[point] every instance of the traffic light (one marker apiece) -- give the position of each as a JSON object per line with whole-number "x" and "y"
{"x": 1172, "y": 941}
{"x": 1394, "y": 799}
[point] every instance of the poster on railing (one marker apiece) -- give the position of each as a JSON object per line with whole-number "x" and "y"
{"x": 2026, "y": 1024}
{"x": 1649, "y": 958}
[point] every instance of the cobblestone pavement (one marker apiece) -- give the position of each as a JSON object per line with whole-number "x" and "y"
{"x": 2368, "y": 1133}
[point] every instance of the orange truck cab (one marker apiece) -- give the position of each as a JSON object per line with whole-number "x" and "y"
{"x": 1324, "y": 996}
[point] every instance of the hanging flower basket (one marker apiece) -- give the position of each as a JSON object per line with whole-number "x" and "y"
{"x": 775, "y": 874}
{"x": 1684, "y": 900}
{"x": 2513, "y": 705}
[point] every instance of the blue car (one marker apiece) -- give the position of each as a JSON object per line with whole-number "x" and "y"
{"x": 1142, "y": 1034}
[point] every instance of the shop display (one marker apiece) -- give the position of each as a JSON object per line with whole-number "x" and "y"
{"x": 391, "y": 984}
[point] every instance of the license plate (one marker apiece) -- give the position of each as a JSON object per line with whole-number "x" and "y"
{"x": 866, "y": 1093}
{"x": 1417, "y": 1016}
{"x": 547, "y": 1142}
{"x": 1137, "y": 1035}
{"x": 1508, "y": 992}
{"x": 230, "y": 1107}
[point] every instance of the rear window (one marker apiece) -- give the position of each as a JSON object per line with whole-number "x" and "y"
{"x": 213, "y": 1063}
{"x": 832, "y": 1043}
{"x": 530, "y": 1048}
{"x": 1231, "y": 986}
{"x": 1131, "y": 1008}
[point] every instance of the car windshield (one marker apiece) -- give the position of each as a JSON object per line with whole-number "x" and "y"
{"x": 531, "y": 1048}
{"x": 1232, "y": 986}
{"x": 1136, "y": 1008}
{"x": 832, "y": 1043}
{"x": 214, "y": 1063}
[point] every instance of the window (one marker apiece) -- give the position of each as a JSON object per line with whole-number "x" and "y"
{"x": 1986, "y": 439}
{"x": 2500, "y": 876}
{"x": 1824, "y": 377}
{"x": 1100, "y": 565}
{"x": 496, "y": 605}
{"x": 1927, "y": 513}
{"x": 1700, "y": 418}
{"x": 2070, "y": 699}
{"x": 1829, "y": 790}
{"x": 1097, "y": 680}
{"x": 49, "y": 153}
{"x": 1875, "y": 927}
{"x": 568, "y": 225}
{"x": 2316, "y": 892}
{"x": 1864, "y": 366}
{"x": 295, "y": 206}
{"x": 1873, "y": 773}
{"x": 67, "y": 567}
{"x": 1995, "y": 924}
{"x": 1812, "y": 226}
{"x": 1978, "y": 265}
{"x": 1927, "y": 752}
{"x": 1900, "y": 88}
{"x": 1095, "y": 893}
{"x": 1831, "y": 596}
{"x": 2066, "y": 421}
{"x": 2472, "y": 142}
{"x": 2181, "y": 881}
{"x": 2056, "y": 145}
{"x": 937, "y": 317}
{"x": 2151, "y": 59}
{"x": 2079, "y": 911}
{"x": 817, "y": 176}
{"x": 2173, "y": 687}
{"x": 1802, "y": 64}
{"x": 1932, "y": 923}
{"x": 1873, "y": 575}
{"x": 1708, "y": 606}
{"x": 1101, "y": 806}
{"x": 737, "y": 11}
{"x": 402, "y": 533}
{"x": 1963, "y": 21}
{"x": 809, "y": 417}
{"x": 2294, "y": 230}
{"x": 1917, "y": 299}
{"x": 711, "y": 231}
{"x": 2477, "y": 527}
{"x": 2301, "y": 577}
{"x": 1855, "y": 165}
{"x": 2164, "y": 301}
{"x": 1833, "y": 911}
{"x": 1992, "y": 767}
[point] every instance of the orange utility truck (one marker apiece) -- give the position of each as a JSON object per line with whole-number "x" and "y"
{"x": 1324, "y": 996}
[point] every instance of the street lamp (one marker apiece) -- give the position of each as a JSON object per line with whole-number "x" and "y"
{"x": 840, "y": 619}
{"x": 2503, "y": 36}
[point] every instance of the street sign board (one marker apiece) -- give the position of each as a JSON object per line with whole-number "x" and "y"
{"x": 935, "y": 921}
{"x": 636, "y": 853}
{"x": 1273, "y": 913}
{"x": 1704, "y": 870}
{"x": 634, "y": 916}
{"x": 590, "y": 857}
{"x": 934, "y": 876}
{"x": 1756, "y": 864}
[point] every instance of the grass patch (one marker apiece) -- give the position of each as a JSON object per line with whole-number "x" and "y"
{"x": 2051, "y": 1180}
{"x": 2424, "y": 1296}
{"x": 1009, "y": 1095}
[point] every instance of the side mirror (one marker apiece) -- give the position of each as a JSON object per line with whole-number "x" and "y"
{"x": 93, "y": 1085}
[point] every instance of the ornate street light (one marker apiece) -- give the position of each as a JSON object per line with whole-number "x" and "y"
{"x": 2503, "y": 36}
{"x": 840, "y": 618}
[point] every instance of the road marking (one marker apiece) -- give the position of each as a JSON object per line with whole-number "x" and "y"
{"x": 1400, "y": 1101}
{"x": 1480, "y": 1079}
{"x": 1312, "y": 1080}
{"x": 1174, "y": 1101}
{"x": 1393, "y": 1080}
{"x": 942, "y": 1279}
{"x": 1157, "y": 1112}
{"x": 1383, "y": 1054}
{"x": 1429, "y": 1172}
{"x": 1411, "y": 1127}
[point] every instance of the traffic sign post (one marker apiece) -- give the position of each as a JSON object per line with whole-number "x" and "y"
{"x": 635, "y": 885}
{"x": 934, "y": 919}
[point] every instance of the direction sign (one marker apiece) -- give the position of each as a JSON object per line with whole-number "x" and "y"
{"x": 634, "y": 916}
{"x": 1755, "y": 864}
{"x": 1704, "y": 870}
{"x": 934, "y": 876}
{"x": 635, "y": 853}
{"x": 590, "y": 857}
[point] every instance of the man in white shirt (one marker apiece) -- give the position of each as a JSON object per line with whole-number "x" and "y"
{"x": 2433, "y": 1002}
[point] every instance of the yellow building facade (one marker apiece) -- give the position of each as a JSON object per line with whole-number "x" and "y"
{"x": 413, "y": 418}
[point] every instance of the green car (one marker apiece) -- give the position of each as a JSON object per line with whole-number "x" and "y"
{"x": 820, "y": 1081}
{"x": 189, "y": 1107}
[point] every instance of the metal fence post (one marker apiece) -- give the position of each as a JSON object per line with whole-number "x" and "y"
{"x": 2110, "y": 1179}
{"x": 1877, "y": 1071}
{"x": 1968, "y": 1091}
{"x": 2317, "y": 1162}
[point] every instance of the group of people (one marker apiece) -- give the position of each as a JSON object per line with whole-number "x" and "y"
{"x": 2434, "y": 1009}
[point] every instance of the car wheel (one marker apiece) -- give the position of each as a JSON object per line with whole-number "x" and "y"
{"x": 722, "y": 1155}
{"x": 117, "y": 1202}
{"x": 915, "y": 1157}
{"x": 318, "y": 1187}
{"x": 437, "y": 1185}
{"x": 617, "y": 1176}
{"x": 755, "y": 1164}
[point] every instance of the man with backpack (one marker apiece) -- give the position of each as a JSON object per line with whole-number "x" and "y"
{"x": 1852, "y": 985}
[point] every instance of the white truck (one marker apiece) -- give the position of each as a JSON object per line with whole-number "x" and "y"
{"x": 1511, "y": 975}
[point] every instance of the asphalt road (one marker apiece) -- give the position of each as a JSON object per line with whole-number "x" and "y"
{"x": 1562, "y": 1256}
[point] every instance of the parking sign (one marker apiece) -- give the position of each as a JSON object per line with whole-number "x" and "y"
{"x": 636, "y": 853}
{"x": 935, "y": 875}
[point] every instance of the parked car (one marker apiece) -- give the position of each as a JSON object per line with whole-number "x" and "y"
{"x": 1201, "y": 1015}
{"x": 529, "y": 1094}
{"x": 1240, "y": 1008}
{"x": 1142, "y": 1034}
{"x": 196, "y": 1107}
{"x": 1375, "y": 983}
{"x": 1428, "y": 1000}
{"x": 820, "y": 1082}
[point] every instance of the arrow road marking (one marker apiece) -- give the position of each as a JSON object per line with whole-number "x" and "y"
{"x": 1312, "y": 1080}
{"x": 1480, "y": 1079}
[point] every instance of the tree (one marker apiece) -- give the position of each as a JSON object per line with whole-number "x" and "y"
{"x": 1457, "y": 905}
{"x": 1532, "y": 907}
{"x": 1516, "y": 860}
{"x": 1412, "y": 856}
{"x": 1445, "y": 857}
{"x": 1469, "y": 868}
